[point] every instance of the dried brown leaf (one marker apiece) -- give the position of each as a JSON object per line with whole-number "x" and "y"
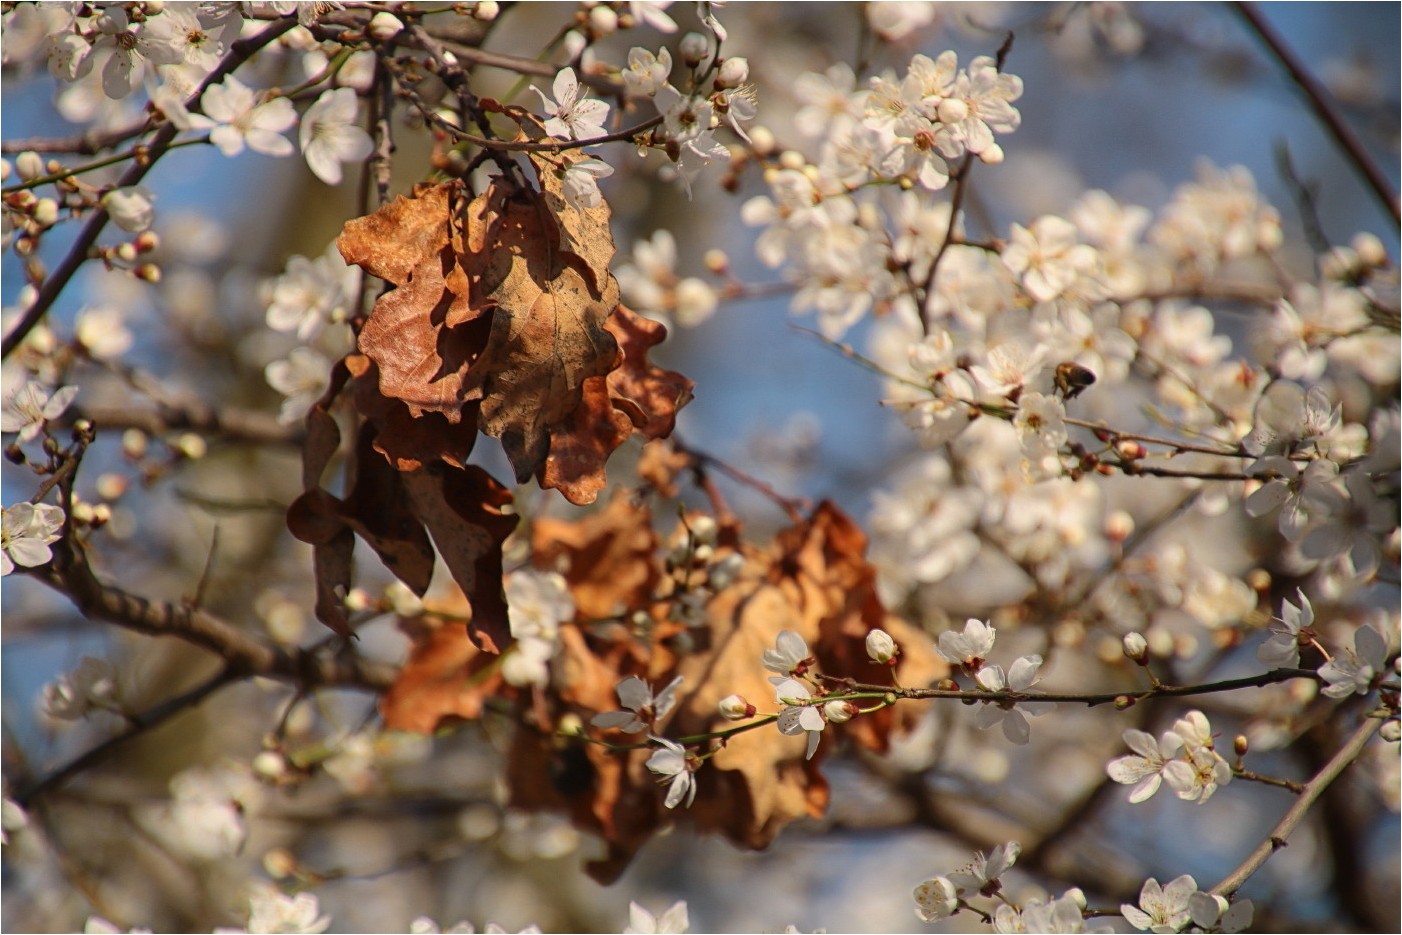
{"x": 424, "y": 334}
{"x": 547, "y": 333}
{"x": 650, "y": 396}
{"x": 446, "y": 677}
{"x": 408, "y": 442}
{"x": 462, "y": 510}
{"x": 608, "y": 557}
{"x": 580, "y": 448}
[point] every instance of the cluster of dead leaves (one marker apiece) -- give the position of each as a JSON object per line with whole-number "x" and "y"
{"x": 503, "y": 318}
{"x": 813, "y": 579}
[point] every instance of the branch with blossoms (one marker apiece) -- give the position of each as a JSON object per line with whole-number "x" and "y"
{"x": 620, "y": 659}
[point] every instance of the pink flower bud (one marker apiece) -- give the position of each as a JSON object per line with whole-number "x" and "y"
{"x": 839, "y": 712}
{"x": 735, "y": 708}
{"x": 881, "y": 647}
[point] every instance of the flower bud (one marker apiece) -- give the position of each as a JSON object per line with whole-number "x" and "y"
{"x": 1136, "y": 647}
{"x": 111, "y": 486}
{"x": 29, "y": 165}
{"x": 486, "y": 10}
{"x": 279, "y": 863}
{"x": 881, "y": 647}
{"x": 992, "y": 156}
{"x": 839, "y": 712}
{"x": 1391, "y": 731}
{"x": 1119, "y": 526}
{"x": 404, "y": 601}
{"x": 952, "y": 110}
{"x": 1240, "y": 745}
{"x": 1077, "y": 896}
{"x": 733, "y": 73}
{"x": 762, "y": 140}
{"x": 1130, "y": 450}
{"x": 1370, "y": 249}
{"x": 130, "y": 208}
{"x": 146, "y": 241}
{"x": 269, "y": 765}
{"x": 693, "y": 49}
{"x": 134, "y": 443}
{"x": 192, "y": 446}
{"x": 735, "y": 708}
{"x": 724, "y": 572}
{"x": 150, "y": 272}
{"x": 46, "y": 212}
{"x": 703, "y": 530}
{"x": 716, "y": 261}
{"x": 603, "y": 20}
{"x": 384, "y": 26}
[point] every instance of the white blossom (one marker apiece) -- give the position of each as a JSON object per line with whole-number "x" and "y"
{"x": 1282, "y": 650}
{"x": 31, "y": 406}
{"x": 798, "y": 715}
{"x": 581, "y": 182}
{"x": 982, "y": 872}
{"x": 311, "y": 293}
{"x": 302, "y": 378}
{"x": 646, "y": 709}
{"x": 1144, "y": 768}
{"x": 236, "y": 118}
{"x": 572, "y": 117}
{"x": 789, "y": 655}
{"x": 1354, "y": 669}
{"x": 28, "y": 529}
{"x": 672, "y": 922}
{"x": 670, "y": 761}
{"x": 91, "y": 686}
{"x": 330, "y": 136}
{"x": 1161, "y": 909}
{"x": 967, "y": 648}
{"x": 130, "y": 208}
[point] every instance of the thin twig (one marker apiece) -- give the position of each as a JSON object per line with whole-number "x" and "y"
{"x": 1280, "y": 834}
{"x": 77, "y": 254}
{"x": 1323, "y": 108}
{"x": 137, "y": 724}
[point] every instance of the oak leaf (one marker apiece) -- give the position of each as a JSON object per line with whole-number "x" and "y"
{"x": 446, "y": 677}
{"x": 425, "y": 333}
{"x": 463, "y": 512}
{"x": 547, "y": 331}
{"x": 608, "y": 558}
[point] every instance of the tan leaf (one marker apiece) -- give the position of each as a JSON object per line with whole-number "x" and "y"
{"x": 547, "y": 333}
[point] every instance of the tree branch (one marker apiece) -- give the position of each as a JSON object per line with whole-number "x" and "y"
{"x": 77, "y": 254}
{"x": 1319, "y": 102}
{"x": 1313, "y": 790}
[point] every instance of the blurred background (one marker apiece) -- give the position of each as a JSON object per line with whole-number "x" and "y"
{"x": 1121, "y": 97}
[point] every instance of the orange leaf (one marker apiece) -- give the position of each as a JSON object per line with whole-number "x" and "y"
{"x": 608, "y": 557}
{"x": 446, "y": 676}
